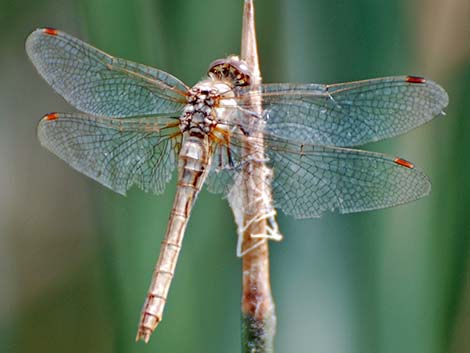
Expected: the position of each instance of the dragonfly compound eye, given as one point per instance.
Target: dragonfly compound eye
(231, 70)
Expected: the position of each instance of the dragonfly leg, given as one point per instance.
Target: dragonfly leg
(272, 231)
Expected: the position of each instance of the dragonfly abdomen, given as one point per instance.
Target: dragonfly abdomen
(194, 162)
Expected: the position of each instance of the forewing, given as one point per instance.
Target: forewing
(117, 153)
(350, 114)
(309, 180)
(99, 84)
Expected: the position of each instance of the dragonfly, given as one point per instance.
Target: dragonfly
(138, 124)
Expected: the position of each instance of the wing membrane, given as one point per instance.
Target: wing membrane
(226, 163)
(309, 179)
(99, 84)
(350, 114)
(117, 153)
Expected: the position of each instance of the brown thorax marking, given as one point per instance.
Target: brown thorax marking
(199, 115)
(199, 111)
(232, 70)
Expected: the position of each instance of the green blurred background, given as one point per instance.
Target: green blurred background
(76, 259)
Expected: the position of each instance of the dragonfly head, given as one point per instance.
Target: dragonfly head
(232, 70)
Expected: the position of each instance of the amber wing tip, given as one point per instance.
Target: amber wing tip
(51, 116)
(50, 31)
(415, 79)
(404, 163)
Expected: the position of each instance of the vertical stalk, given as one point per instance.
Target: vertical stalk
(257, 306)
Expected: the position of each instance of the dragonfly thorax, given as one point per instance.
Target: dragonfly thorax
(199, 114)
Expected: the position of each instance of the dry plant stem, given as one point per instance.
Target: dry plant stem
(258, 313)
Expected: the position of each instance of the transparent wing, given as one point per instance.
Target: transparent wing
(309, 180)
(349, 114)
(227, 161)
(99, 84)
(117, 153)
